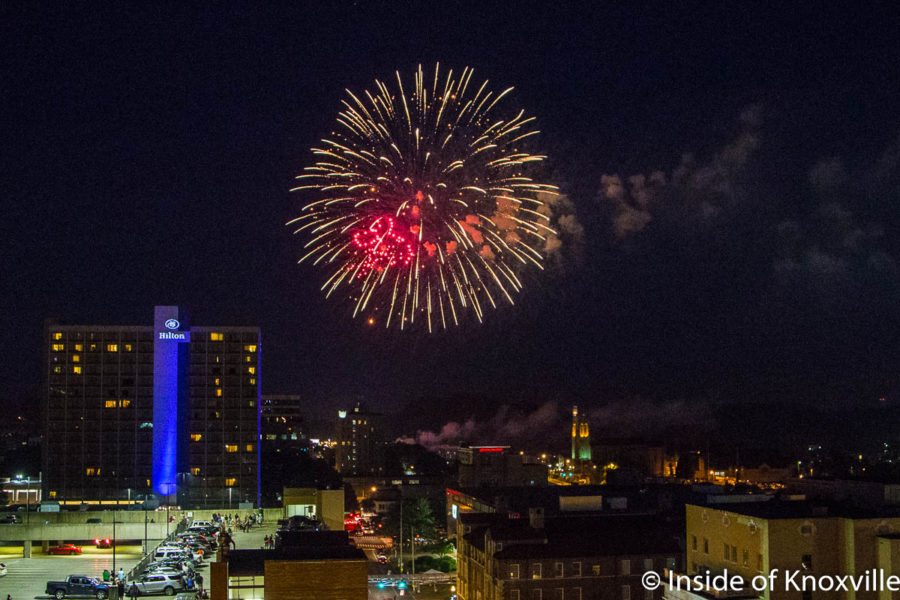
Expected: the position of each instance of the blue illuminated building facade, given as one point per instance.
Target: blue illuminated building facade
(168, 410)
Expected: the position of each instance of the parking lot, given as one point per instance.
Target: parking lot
(27, 577)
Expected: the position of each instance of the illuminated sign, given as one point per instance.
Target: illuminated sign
(454, 510)
(172, 324)
(173, 335)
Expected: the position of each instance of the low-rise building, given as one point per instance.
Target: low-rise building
(315, 565)
(565, 557)
(498, 466)
(750, 539)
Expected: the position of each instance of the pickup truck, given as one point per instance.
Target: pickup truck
(78, 585)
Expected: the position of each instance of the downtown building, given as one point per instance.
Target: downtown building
(165, 410)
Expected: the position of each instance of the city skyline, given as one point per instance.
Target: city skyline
(728, 240)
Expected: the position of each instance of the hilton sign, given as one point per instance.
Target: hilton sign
(172, 335)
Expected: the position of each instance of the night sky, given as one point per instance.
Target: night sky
(734, 177)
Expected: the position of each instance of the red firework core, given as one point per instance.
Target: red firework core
(383, 246)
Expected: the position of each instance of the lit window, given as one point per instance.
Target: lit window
(76, 358)
(248, 359)
(252, 403)
(91, 471)
(93, 348)
(218, 381)
(195, 471)
(127, 347)
(249, 448)
(77, 369)
(57, 369)
(250, 348)
(253, 381)
(196, 437)
(216, 337)
(79, 347)
(230, 481)
(251, 370)
(58, 347)
(112, 347)
(117, 403)
(148, 483)
(53, 493)
(146, 425)
(57, 336)
(124, 403)
(219, 392)
(230, 447)
(110, 404)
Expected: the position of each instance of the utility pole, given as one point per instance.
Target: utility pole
(401, 531)
(114, 539)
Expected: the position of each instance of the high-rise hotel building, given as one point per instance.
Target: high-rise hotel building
(168, 409)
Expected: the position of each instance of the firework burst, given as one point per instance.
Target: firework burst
(424, 209)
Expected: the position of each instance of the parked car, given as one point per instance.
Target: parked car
(103, 542)
(64, 549)
(78, 585)
(155, 583)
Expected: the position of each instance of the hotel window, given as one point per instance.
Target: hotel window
(93, 348)
(196, 437)
(110, 404)
(253, 381)
(705, 546)
(536, 571)
(57, 336)
(727, 552)
(230, 481)
(218, 392)
(625, 567)
(76, 369)
(746, 558)
(250, 348)
(759, 563)
(693, 542)
(514, 571)
(218, 381)
(230, 447)
(595, 569)
(76, 358)
(195, 471)
(112, 347)
(734, 554)
(248, 359)
(806, 562)
(251, 370)
(576, 568)
(127, 347)
(626, 592)
(53, 493)
(91, 471)
(124, 403)
(216, 337)
(559, 569)
(249, 447)
(79, 347)
(58, 347)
